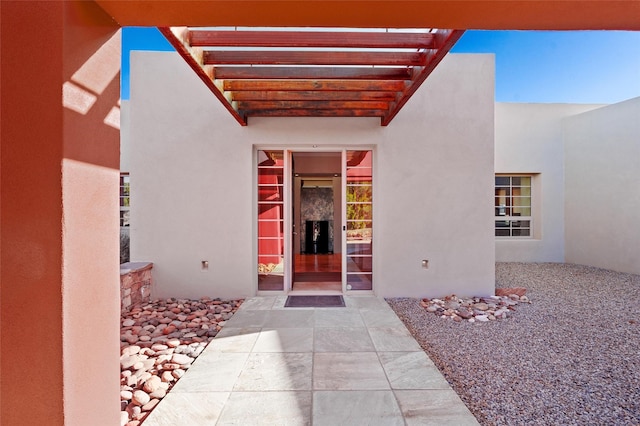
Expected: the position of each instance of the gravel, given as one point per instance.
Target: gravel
(571, 357)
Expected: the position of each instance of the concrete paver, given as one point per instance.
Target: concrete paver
(312, 366)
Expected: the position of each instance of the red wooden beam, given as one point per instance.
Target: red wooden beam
(310, 73)
(316, 113)
(184, 51)
(309, 85)
(271, 105)
(311, 96)
(275, 57)
(445, 40)
(205, 38)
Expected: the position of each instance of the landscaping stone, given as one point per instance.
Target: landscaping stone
(159, 341)
(475, 309)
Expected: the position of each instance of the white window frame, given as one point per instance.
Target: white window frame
(513, 218)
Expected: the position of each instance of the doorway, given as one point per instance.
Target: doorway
(316, 211)
(315, 221)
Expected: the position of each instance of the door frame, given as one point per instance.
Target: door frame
(288, 210)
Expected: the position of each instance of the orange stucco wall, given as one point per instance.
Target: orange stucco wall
(59, 225)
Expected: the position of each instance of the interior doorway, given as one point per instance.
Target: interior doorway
(316, 221)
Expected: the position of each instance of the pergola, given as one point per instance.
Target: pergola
(312, 73)
(59, 169)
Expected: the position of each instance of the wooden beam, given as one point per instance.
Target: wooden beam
(272, 105)
(310, 85)
(311, 39)
(315, 113)
(311, 73)
(173, 35)
(445, 39)
(311, 96)
(275, 57)
(472, 14)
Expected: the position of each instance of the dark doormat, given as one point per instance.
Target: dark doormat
(314, 302)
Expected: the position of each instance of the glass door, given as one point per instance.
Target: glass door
(359, 220)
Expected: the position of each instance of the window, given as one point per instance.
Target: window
(513, 206)
(125, 200)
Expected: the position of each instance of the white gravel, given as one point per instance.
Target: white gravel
(572, 357)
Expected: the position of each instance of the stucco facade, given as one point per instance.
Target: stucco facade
(193, 181)
(585, 161)
(530, 141)
(602, 177)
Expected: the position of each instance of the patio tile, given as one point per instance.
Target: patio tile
(366, 302)
(212, 371)
(188, 409)
(276, 371)
(390, 339)
(342, 339)
(375, 318)
(294, 318)
(258, 303)
(348, 371)
(356, 408)
(248, 318)
(231, 339)
(411, 370)
(434, 407)
(345, 317)
(267, 408)
(285, 340)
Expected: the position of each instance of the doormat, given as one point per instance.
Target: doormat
(314, 302)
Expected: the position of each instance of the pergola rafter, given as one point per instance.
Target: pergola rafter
(312, 72)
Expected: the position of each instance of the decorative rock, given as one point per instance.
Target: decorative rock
(140, 398)
(158, 393)
(181, 359)
(177, 373)
(158, 345)
(152, 384)
(173, 343)
(150, 405)
(481, 306)
(167, 376)
(480, 309)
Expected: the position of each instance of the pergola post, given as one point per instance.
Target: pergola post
(59, 214)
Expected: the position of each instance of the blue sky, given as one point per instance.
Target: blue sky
(531, 66)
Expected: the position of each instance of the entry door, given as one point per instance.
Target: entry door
(358, 236)
(274, 224)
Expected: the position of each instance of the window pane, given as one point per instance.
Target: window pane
(270, 193)
(359, 264)
(502, 232)
(270, 221)
(521, 211)
(521, 181)
(520, 232)
(359, 193)
(356, 247)
(502, 180)
(359, 281)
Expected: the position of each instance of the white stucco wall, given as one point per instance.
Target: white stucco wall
(602, 175)
(193, 191)
(125, 119)
(529, 140)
